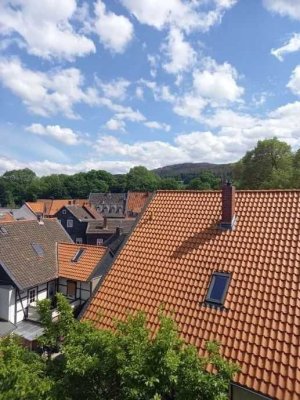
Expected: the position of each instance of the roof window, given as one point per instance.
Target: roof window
(38, 249)
(78, 255)
(218, 288)
(3, 231)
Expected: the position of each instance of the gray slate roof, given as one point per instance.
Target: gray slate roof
(111, 225)
(18, 258)
(80, 213)
(109, 203)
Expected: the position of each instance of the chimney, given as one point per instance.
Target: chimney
(228, 206)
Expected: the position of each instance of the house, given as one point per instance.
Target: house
(28, 271)
(80, 267)
(108, 229)
(51, 207)
(37, 259)
(227, 267)
(135, 203)
(75, 219)
(109, 204)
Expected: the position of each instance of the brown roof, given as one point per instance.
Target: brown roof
(19, 258)
(6, 217)
(136, 201)
(91, 210)
(170, 257)
(37, 207)
(80, 213)
(53, 206)
(86, 264)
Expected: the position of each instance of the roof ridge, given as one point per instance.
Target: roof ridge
(83, 245)
(220, 190)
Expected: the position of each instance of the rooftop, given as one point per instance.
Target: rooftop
(170, 259)
(78, 261)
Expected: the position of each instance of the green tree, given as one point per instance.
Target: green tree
(269, 165)
(205, 181)
(140, 179)
(296, 172)
(22, 373)
(169, 184)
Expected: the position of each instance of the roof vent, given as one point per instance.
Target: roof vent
(228, 206)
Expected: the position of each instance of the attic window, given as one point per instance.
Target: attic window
(38, 249)
(3, 231)
(78, 255)
(218, 288)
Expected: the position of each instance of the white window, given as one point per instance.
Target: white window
(69, 223)
(64, 211)
(99, 241)
(78, 240)
(32, 295)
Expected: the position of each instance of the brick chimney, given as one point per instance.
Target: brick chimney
(228, 206)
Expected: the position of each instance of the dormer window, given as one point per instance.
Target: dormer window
(218, 288)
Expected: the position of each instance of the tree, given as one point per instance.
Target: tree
(169, 184)
(140, 179)
(205, 181)
(296, 173)
(22, 373)
(269, 165)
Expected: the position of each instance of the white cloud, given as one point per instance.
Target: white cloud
(64, 135)
(115, 125)
(289, 8)
(154, 63)
(45, 27)
(43, 94)
(217, 82)
(157, 125)
(180, 53)
(115, 89)
(190, 106)
(186, 16)
(115, 31)
(291, 46)
(139, 92)
(294, 83)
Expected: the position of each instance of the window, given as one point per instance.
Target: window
(64, 211)
(69, 223)
(78, 240)
(71, 289)
(32, 295)
(78, 254)
(38, 248)
(218, 288)
(99, 241)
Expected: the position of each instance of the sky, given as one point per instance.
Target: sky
(119, 83)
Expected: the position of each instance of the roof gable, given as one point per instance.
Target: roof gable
(171, 255)
(28, 267)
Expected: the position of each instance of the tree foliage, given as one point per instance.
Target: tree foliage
(127, 363)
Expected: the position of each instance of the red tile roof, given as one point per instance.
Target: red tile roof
(6, 217)
(37, 207)
(51, 207)
(136, 201)
(86, 264)
(170, 257)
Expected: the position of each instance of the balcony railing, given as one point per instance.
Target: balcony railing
(33, 314)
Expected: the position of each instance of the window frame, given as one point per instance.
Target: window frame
(70, 221)
(69, 282)
(34, 289)
(78, 240)
(98, 243)
(210, 300)
(64, 211)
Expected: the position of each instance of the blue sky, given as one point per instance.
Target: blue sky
(113, 84)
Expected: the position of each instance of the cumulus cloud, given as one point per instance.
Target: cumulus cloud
(115, 89)
(157, 125)
(186, 16)
(289, 8)
(294, 83)
(43, 94)
(291, 46)
(180, 53)
(217, 82)
(64, 135)
(45, 28)
(115, 31)
(115, 125)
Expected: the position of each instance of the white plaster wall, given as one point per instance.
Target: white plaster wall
(7, 303)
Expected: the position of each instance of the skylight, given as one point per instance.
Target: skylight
(38, 249)
(218, 288)
(78, 255)
(3, 231)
